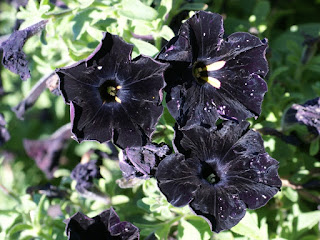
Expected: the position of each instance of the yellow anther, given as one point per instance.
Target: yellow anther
(215, 66)
(212, 81)
(119, 87)
(117, 99)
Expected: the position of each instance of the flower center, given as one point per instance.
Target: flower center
(108, 91)
(203, 73)
(199, 72)
(212, 178)
(209, 174)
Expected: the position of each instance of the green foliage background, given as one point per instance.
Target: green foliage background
(73, 33)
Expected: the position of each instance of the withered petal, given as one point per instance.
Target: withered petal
(309, 113)
(141, 162)
(46, 152)
(13, 57)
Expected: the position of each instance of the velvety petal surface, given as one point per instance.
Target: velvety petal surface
(221, 78)
(177, 179)
(112, 96)
(106, 225)
(221, 208)
(204, 143)
(219, 173)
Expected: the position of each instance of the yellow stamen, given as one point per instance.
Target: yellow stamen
(119, 87)
(215, 66)
(117, 99)
(212, 81)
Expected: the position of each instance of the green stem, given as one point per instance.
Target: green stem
(9, 193)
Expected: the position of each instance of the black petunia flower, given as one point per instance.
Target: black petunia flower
(47, 152)
(307, 114)
(4, 134)
(213, 78)
(84, 173)
(219, 173)
(141, 162)
(112, 96)
(106, 225)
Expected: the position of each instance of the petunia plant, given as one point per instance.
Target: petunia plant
(218, 170)
(163, 120)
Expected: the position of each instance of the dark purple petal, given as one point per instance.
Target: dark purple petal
(195, 142)
(14, 58)
(236, 155)
(112, 96)
(141, 162)
(214, 78)
(220, 174)
(309, 114)
(4, 134)
(199, 36)
(84, 174)
(125, 230)
(106, 225)
(46, 152)
(177, 179)
(49, 190)
(220, 207)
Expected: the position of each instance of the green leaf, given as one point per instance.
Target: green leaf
(85, 3)
(119, 199)
(308, 220)
(193, 7)
(18, 228)
(166, 33)
(314, 147)
(81, 22)
(261, 11)
(187, 231)
(95, 33)
(164, 8)
(193, 227)
(309, 237)
(248, 227)
(144, 47)
(162, 232)
(61, 173)
(134, 9)
(276, 73)
(291, 194)
(32, 13)
(40, 210)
